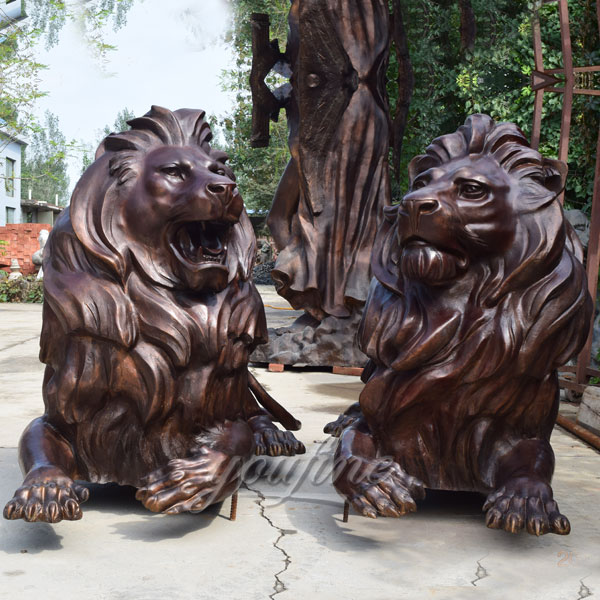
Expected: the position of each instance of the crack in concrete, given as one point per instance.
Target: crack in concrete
(278, 586)
(584, 591)
(481, 572)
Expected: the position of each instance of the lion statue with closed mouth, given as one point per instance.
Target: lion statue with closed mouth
(478, 296)
(148, 321)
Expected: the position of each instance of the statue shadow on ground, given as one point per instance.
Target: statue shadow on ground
(348, 392)
(147, 526)
(19, 537)
(440, 510)
(34, 538)
(312, 507)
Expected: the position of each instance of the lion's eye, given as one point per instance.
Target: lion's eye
(174, 171)
(218, 169)
(472, 190)
(418, 184)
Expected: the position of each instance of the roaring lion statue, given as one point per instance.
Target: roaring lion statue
(149, 317)
(479, 295)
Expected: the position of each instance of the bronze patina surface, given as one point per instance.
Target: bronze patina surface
(149, 317)
(479, 295)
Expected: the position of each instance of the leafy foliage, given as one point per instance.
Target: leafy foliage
(25, 289)
(120, 124)
(494, 78)
(19, 69)
(451, 82)
(48, 17)
(44, 166)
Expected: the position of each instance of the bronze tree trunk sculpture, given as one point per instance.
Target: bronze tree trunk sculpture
(329, 202)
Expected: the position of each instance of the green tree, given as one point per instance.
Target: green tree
(44, 166)
(48, 17)
(491, 74)
(19, 69)
(466, 56)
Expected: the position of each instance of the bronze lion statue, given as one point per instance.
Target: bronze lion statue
(478, 296)
(149, 317)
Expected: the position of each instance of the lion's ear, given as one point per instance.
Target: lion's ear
(419, 164)
(555, 173)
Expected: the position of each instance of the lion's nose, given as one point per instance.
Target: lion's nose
(223, 191)
(420, 206)
(227, 198)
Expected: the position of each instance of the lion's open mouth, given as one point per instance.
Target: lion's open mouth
(201, 242)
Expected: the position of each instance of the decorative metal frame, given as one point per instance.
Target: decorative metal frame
(546, 80)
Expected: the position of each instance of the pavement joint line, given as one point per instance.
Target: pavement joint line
(278, 587)
(35, 337)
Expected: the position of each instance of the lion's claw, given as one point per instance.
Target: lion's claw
(191, 484)
(381, 488)
(275, 442)
(525, 504)
(50, 501)
(272, 441)
(346, 419)
(336, 427)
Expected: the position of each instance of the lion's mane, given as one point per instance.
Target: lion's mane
(528, 313)
(117, 329)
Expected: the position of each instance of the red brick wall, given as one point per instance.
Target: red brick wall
(22, 243)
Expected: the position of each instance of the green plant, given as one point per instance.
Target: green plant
(25, 289)
(35, 291)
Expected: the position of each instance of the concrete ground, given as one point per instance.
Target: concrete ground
(289, 540)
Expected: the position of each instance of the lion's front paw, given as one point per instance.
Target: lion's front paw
(525, 503)
(272, 441)
(191, 484)
(346, 419)
(48, 495)
(275, 442)
(375, 487)
(336, 427)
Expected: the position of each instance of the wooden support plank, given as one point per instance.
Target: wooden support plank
(356, 371)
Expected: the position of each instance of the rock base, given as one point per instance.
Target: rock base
(326, 344)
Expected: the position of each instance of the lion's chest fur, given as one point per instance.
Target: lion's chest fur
(434, 400)
(128, 411)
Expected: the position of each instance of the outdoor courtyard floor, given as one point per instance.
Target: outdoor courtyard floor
(289, 540)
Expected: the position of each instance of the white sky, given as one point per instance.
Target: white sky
(169, 53)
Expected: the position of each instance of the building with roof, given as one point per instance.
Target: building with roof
(10, 178)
